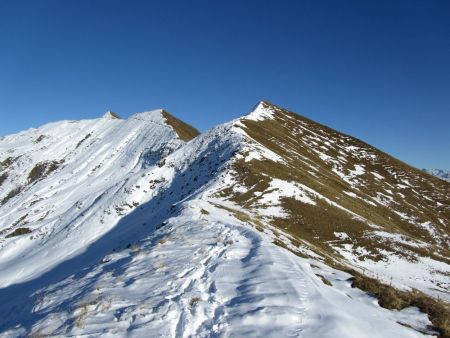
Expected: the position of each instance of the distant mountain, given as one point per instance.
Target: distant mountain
(443, 174)
(270, 225)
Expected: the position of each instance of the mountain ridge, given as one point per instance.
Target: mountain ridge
(439, 173)
(271, 183)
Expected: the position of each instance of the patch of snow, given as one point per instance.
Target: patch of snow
(359, 170)
(341, 235)
(424, 274)
(260, 113)
(377, 175)
(429, 226)
(269, 201)
(400, 239)
(351, 194)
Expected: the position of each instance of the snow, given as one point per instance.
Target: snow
(341, 235)
(377, 175)
(279, 189)
(440, 173)
(384, 199)
(79, 195)
(110, 115)
(252, 149)
(351, 194)
(255, 151)
(359, 170)
(153, 116)
(130, 238)
(405, 216)
(203, 275)
(422, 274)
(399, 239)
(410, 316)
(352, 174)
(260, 113)
(428, 226)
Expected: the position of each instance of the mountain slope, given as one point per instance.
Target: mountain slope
(213, 237)
(443, 174)
(340, 197)
(65, 177)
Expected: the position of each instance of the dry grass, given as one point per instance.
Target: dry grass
(14, 192)
(287, 135)
(3, 178)
(194, 300)
(41, 170)
(183, 130)
(40, 138)
(38, 334)
(324, 280)
(81, 315)
(19, 232)
(114, 115)
(390, 298)
(162, 241)
(20, 220)
(193, 304)
(7, 162)
(82, 140)
(295, 139)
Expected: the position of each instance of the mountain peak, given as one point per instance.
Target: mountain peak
(272, 199)
(183, 130)
(262, 111)
(111, 115)
(151, 115)
(439, 173)
(265, 110)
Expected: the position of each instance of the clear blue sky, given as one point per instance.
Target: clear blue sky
(378, 70)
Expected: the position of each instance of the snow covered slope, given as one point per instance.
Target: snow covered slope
(67, 183)
(443, 174)
(204, 274)
(136, 231)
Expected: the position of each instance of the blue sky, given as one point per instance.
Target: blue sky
(377, 70)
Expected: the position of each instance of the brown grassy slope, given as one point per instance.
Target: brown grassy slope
(183, 130)
(312, 153)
